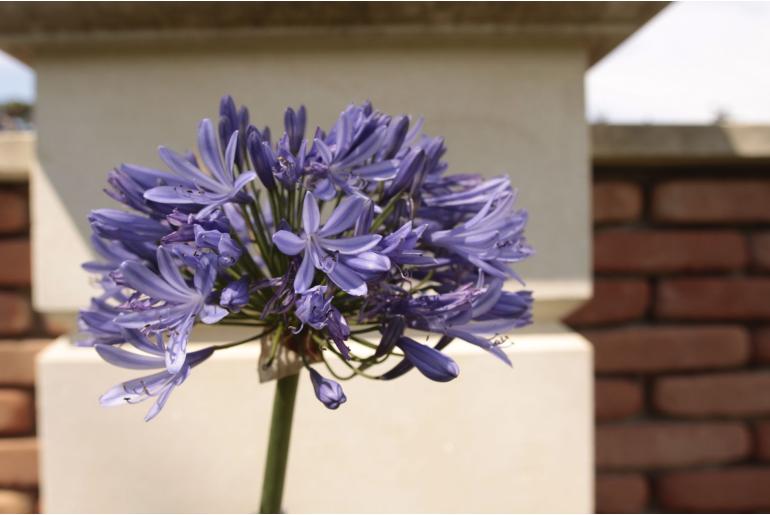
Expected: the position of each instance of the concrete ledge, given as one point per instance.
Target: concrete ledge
(17, 155)
(680, 144)
(495, 440)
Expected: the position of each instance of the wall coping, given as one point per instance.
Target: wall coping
(630, 145)
(17, 155)
(600, 26)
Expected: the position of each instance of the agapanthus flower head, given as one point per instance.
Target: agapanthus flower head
(347, 232)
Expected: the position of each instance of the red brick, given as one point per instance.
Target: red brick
(653, 445)
(660, 348)
(15, 262)
(761, 342)
(711, 201)
(12, 501)
(617, 398)
(616, 201)
(735, 489)
(762, 439)
(651, 252)
(18, 462)
(17, 361)
(15, 314)
(733, 394)
(621, 493)
(16, 412)
(14, 215)
(759, 246)
(57, 325)
(714, 298)
(614, 300)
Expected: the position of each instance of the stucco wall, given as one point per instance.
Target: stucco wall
(501, 108)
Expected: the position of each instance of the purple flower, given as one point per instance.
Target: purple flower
(170, 303)
(158, 385)
(235, 295)
(327, 391)
(432, 363)
(320, 250)
(288, 166)
(112, 252)
(316, 310)
(113, 224)
(406, 246)
(295, 127)
(123, 233)
(467, 314)
(209, 190)
(493, 311)
(186, 223)
(491, 239)
(345, 157)
(394, 139)
(129, 182)
(229, 252)
(97, 325)
(471, 195)
(232, 120)
(338, 330)
(401, 246)
(262, 158)
(313, 307)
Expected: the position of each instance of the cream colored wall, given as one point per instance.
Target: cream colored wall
(495, 440)
(502, 108)
(511, 109)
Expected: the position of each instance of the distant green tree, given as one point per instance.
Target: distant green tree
(17, 110)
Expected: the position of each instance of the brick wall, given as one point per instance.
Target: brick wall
(22, 335)
(680, 324)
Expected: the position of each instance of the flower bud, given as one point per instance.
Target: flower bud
(328, 392)
(432, 363)
(261, 159)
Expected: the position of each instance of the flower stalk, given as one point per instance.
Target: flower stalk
(278, 444)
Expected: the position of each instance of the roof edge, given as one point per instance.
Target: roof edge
(599, 26)
(679, 144)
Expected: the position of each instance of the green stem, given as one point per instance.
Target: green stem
(385, 213)
(278, 444)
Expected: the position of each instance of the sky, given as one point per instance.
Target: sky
(695, 62)
(17, 81)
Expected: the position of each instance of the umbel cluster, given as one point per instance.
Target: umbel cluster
(344, 245)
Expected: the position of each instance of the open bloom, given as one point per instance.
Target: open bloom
(342, 160)
(158, 385)
(207, 190)
(491, 239)
(320, 250)
(170, 303)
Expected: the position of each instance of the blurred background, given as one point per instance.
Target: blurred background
(679, 118)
